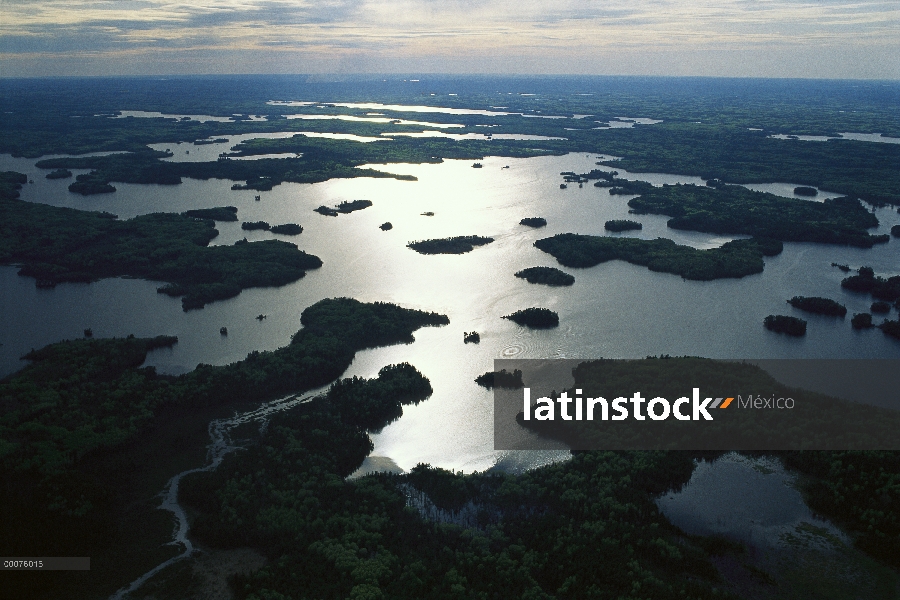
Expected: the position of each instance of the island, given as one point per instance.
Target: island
(737, 258)
(880, 288)
(287, 229)
(219, 213)
(891, 328)
(785, 324)
(895, 231)
(622, 225)
(353, 205)
(59, 174)
(734, 209)
(880, 307)
(56, 245)
(254, 225)
(344, 207)
(862, 321)
(804, 190)
(471, 337)
(326, 211)
(815, 304)
(534, 221)
(629, 188)
(452, 245)
(501, 379)
(386, 226)
(535, 318)
(88, 184)
(546, 276)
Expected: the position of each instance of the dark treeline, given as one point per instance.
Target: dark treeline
(736, 210)
(219, 213)
(56, 245)
(622, 225)
(718, 147)
(737, 258)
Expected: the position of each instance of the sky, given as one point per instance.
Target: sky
(731, 38)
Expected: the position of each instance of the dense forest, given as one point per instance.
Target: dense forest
(87, 437)
(736, 210)
(737, 258)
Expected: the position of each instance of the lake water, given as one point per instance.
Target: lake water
(614, 310)
(752, 499)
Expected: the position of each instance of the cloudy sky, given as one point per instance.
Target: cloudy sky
(757, 38)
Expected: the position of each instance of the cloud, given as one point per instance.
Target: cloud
(435, 32)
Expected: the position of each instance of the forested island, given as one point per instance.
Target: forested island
(501, 378)
(255, 225)
(59, 174)
(453, 245)
(219, 213)
(546, 276)
(891, 328)
(815, 304)
(88, 184)
(345, 207)
(865, 281)
(535, 318)
(862, 321)
(56, 245)
(737, 258)
(734, 209)
(287, 229)
(785, 324)
(534, 222)
(622, 225)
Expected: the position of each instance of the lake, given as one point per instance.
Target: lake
(614, 310)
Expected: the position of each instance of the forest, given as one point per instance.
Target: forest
(452, 245)
(736, 210)
(88, 437)
(737, 258)
(56, 245)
